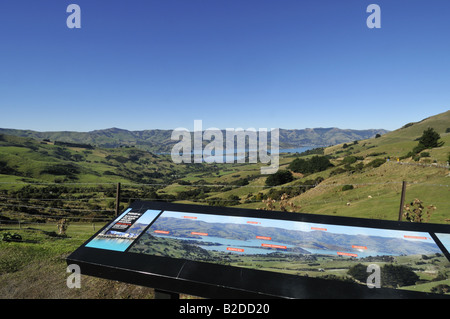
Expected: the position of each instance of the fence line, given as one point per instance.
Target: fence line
(55, 208)
(56, 199)
(424, 164)
(226, 185)
(59, 217)
(28, 202)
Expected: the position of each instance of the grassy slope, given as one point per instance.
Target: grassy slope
(401, 141)
(30, 161)
(36, 269)
(376, 192)
(422, 179)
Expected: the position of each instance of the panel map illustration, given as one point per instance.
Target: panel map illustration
(407, 259)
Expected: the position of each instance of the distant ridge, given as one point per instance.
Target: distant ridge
(157, 140)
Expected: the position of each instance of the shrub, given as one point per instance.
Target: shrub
(416, 212)
(11, 237)
(376, 162)
(441, 289)
(337, 171)
(347, 187)
(313, 165)
(349, 160)
(393, 276)
(359, 166)
(359, 272)
(241, 182)
(279, 178)
(61, 169)
(234, 198)
(5, 169)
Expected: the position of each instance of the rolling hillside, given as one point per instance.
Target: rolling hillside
(371, 171)
(26, 159)
(377, 188)
(402, 140)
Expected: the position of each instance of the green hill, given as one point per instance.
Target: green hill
(374, 167)
(28, 160)
(401, 141)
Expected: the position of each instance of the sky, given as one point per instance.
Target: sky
(161, 64)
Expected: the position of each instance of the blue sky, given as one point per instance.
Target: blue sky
(145, 64)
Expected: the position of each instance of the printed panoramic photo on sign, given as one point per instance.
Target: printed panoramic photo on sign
(138, 137)
(296, 248)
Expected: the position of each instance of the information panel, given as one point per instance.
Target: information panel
(123, 231)
(301, 253)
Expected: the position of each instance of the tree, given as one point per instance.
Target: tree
(430, 138)
(441, 289)
(313, 165)
(349, 160)
(347, 187)
(376, 163)
(280, 177)
(393, 276)
(359, 272)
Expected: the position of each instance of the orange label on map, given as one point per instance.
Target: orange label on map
(191, 217)
(162, 232)
(347, 254)
(318, 228)
(264, 237)
(255, 223)
(199, 234)
(235, 249)
(274, 246)
(359, 247)
(414, 237)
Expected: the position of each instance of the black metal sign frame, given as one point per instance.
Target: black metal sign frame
(221, 281)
